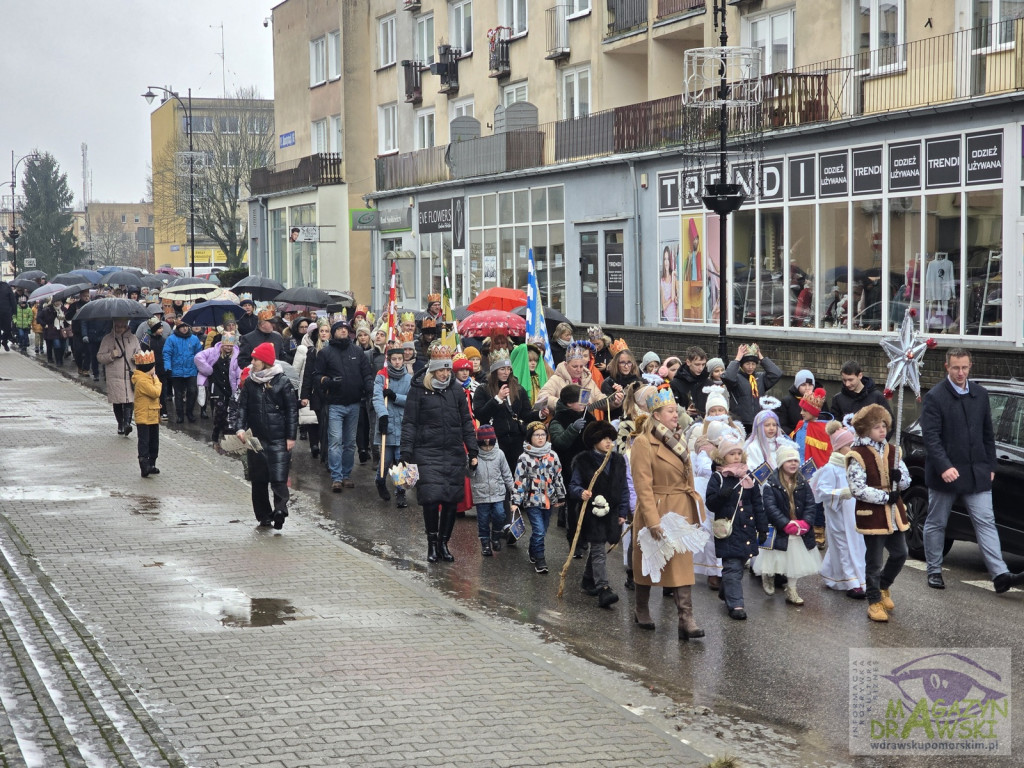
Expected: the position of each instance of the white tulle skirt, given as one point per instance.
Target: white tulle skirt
(795, 562)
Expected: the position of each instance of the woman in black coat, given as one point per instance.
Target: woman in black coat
(269, 406)
(437, 436)
(620, 373)
(503, 403)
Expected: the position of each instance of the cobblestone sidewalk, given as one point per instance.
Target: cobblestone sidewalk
(198, 639)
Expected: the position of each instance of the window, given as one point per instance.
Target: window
(318, 137)
(317, 61)
(773, 35)
(334, 137)
(880, 29)
(462, 108)
(229, 124)
(136, 218)
(578, 7)
(516, 92)
(386, 41)
(232, 158)
(124, 218)
(460, 15)
(993, 21)
(200, 124)
(424, 40)
(425, 128)
(576, 93)
(334, 55)
(512, 14)
(259, 125)
(387, 129)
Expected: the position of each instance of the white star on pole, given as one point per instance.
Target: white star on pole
(905, 350)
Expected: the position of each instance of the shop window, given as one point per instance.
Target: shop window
(801, 260)
(868, 265)
(984, 268)
(744, 266)
(942, 297)
(838, 292)
(905, 262)
(304, 256)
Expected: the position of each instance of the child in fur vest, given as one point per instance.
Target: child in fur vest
(537, 487)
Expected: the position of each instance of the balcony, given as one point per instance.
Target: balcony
(413, 81)
(447, 68)
(311, 171)
(558, 32)
(411, 5)
(625, 16)
(669, 8)
(499, 64)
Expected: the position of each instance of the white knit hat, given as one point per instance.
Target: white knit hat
(786, 453)
(716, 396)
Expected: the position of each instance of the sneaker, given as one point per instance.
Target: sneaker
(540, 566)
(606, 598)
(532, 559)
(279, 519)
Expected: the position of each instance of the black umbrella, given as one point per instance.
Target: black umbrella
(212, 313)
(109, 309)
(152, 281)
(259, 287)
(124, 278)
(461, 313)
(25, 285)
(69, 279)
(310, 297)
(32, 274)
(551, 316)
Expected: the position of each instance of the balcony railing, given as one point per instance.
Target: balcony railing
(411, 5)
(311, 171)
(626, 16)
(413, 81)
(945, 69)
(499, 62)
(668, 8)
(447, 68)
(558, 31)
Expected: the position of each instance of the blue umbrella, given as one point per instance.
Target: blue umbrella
(107, 270)
(89, 274)
(210, 313)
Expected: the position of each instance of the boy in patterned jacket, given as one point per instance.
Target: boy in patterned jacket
(537, 488)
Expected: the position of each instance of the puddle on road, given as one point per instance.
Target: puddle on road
(146, 506)
(50, 493)
(233, 608)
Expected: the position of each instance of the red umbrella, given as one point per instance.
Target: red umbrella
(489, 322)
(498, 298)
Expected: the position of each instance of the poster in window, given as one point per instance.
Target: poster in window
(713, 266)
(668, 268)
(692, 274)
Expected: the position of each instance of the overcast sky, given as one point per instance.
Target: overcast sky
(73, 71)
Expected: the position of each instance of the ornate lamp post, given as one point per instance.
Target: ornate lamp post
(149, 96)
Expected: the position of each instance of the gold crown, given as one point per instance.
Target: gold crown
(405, 337)
(618, 345)
(408, 317)
(440, 351)
(144, 358)
(427, 322)
(267, 313)
(660, 398)
(432, 298)
(361, 309)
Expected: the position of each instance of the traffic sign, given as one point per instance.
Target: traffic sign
(28, 262)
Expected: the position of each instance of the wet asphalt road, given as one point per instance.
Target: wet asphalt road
(785, 667)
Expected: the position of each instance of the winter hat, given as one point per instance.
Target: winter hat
(339, 324)
(247, 301)
(500, 359)
(596, 431)
(265, 352)
(786, 453)
(839, 435)
(716, 396)
(814, 401)
(751, 355)
(532, 427)
(729, 442)
(485, 432)
(461, 363)
(870, 415)
(440, 358)
(472, 352)
(409, 344)
(803, 377)
(714, 363)
(650, 357)
(154, 321)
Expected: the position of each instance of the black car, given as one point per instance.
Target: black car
(1007, 400)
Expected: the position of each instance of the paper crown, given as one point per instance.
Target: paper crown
(246, 298)
(441, 352)
(227, 317)
(406, 338)
(362, 325)
(427, 323)
(595, 332)
(361, 309)
(269, 312)
(433, 298)
(370, 318)
(499, 358)
(407, 317)
(578, 350)
(617, 346)
(751, 354)
(144, 358)
(661, 397)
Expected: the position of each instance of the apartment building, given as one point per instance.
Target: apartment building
(117, 234)
(889, 176)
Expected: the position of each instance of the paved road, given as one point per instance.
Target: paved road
(772, 690)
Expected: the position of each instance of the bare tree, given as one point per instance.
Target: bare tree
(229, 141)
(112, 244)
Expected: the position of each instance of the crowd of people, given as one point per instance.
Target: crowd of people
(601, 440)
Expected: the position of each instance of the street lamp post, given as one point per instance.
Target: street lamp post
(13, 233)
(149, 96)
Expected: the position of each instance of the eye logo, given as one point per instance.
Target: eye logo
(959, 686)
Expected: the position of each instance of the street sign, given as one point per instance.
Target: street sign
(28, 262)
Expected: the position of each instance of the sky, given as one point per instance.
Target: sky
(73, 71)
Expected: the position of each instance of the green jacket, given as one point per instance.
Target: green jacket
(23, 317)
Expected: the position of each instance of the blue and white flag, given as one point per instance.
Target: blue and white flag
(536, 328)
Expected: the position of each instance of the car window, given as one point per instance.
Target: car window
(1011, 429)
(998, 402)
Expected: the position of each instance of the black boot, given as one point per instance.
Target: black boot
(202, 412)
(485, 547)
(153, 470)
(382, 489)
(630, 585)
(144, 466)
(446, 527)
(496, 540)
(400, 500)
(432, 553)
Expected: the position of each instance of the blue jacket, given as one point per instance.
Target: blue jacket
(395, 408)
(179, 355)
(750, 520)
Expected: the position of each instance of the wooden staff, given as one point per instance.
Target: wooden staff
(579, 524)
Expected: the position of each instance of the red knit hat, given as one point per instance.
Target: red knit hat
(813, 402)
(462, 363)
(266, 353)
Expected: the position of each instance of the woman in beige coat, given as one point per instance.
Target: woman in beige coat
(575, 370)
(663, 479)
(117, 352)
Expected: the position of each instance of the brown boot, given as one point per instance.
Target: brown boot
(684, 604)
(876, 612)
(714, 583)
(819, 536)
(887, 602)
(642, 613)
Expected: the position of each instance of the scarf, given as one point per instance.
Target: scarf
(265, 376)
(672, 441)
(440, 386)
(396, 373)
(564, 344)
(535, 452)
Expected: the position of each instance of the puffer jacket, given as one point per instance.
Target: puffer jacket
(271, 411)
(749, 522)
(537, 482)
(179, 354)
(342, 373)
(508, 419)
(394, 409)
(611, 484)
(491, 478)
(437, 435)
(207, 358)
(147, 397)
(23, 317)
(565, 438)
(776, 508)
